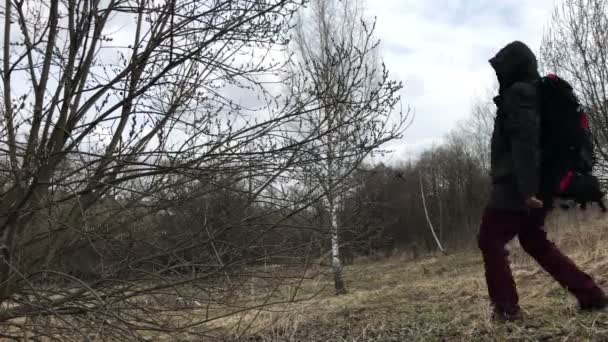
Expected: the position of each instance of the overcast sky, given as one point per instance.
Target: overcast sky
(440, 50)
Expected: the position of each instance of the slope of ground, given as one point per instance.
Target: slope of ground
(444, 299)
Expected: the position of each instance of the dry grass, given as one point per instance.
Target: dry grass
(436, 299)
(442, 299)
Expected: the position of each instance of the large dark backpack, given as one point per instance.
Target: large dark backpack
(567, 156)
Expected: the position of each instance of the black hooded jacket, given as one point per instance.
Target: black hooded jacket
(516, 137)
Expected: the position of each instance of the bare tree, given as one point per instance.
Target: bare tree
(476, 130)
(336, 56)
(119, 117)
(575, 48)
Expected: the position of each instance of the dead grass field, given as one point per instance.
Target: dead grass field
(441, 299)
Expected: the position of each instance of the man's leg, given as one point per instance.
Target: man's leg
(496, 230)
(533, 240)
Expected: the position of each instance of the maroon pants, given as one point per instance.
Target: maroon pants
(497, 229)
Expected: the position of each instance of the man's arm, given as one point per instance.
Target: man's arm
(523, 126)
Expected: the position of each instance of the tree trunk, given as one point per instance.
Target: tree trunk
(437, 194)
(336, 265)
(428, 218)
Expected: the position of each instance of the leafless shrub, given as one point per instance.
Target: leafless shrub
(147, 162)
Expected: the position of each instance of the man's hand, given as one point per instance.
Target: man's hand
(534, 203)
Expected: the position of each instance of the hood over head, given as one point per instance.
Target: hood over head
(513, 63)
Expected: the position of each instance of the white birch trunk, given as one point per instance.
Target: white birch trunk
(428, 218)
(336, 264)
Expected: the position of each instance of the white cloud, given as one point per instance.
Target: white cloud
(440, 49)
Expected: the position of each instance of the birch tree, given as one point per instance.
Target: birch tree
(335, 57)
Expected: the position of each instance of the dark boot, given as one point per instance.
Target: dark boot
(506, 314)
(503, 316)
(599, 304)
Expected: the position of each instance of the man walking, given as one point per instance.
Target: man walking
(514, 208)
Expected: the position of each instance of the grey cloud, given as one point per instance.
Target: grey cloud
(440, 49)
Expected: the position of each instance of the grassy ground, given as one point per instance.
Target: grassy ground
(444, 299)
(441, 298)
